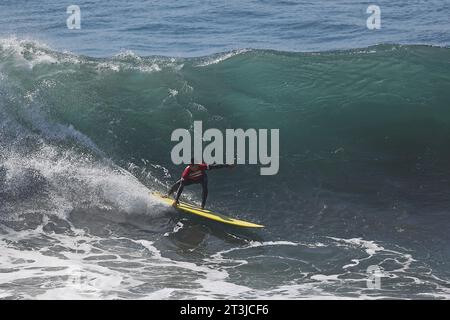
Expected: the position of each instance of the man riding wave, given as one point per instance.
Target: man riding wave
(195, 174)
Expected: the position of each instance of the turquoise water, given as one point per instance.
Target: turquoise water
(85, 136)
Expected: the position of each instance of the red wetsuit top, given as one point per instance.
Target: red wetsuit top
(194, 175)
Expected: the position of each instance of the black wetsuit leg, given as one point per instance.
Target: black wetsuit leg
(183, 182)
(174, 187)
(203, 181)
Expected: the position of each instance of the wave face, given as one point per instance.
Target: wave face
(363, 178)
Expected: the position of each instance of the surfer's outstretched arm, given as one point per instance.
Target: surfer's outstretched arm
(220, 166)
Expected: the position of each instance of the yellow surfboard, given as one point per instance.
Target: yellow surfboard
(189, 208)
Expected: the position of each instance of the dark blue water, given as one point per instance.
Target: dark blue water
(194, 27)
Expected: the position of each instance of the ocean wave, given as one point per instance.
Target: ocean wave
(363, 136)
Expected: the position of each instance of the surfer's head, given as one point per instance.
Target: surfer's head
(193, 165)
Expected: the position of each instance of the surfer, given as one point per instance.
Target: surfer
(195, 174)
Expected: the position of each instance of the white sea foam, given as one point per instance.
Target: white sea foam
(221, 57)
(74, 274)
(76, 180)
(31, 53)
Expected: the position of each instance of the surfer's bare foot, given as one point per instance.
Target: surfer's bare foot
(175, 204)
